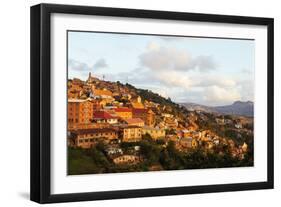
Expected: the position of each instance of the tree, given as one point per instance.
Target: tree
(147, 137)
(150, 150)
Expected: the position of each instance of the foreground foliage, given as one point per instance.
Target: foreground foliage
(94, 160)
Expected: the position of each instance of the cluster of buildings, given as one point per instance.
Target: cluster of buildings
(100, 111)
(110, 112)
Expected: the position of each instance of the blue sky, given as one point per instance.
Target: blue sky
(207, 71)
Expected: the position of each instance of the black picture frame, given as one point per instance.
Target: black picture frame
(41, 96)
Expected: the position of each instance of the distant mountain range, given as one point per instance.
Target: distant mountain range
(237, 108)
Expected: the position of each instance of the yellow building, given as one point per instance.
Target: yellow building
(127, 159)
(131, 133)
(155, 133)
(124, 112)
(136, 103)
(87, 138)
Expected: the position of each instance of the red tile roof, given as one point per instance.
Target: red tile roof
(95, 130)
(123, 110)
(134, 121)
(103, 115)
(139, 111)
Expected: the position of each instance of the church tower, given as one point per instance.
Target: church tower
(89, 78)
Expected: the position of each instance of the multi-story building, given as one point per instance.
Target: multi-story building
(131, 133)
(170, 123)
(124, 112)
(155, 133)
(150, 118)
(147, 115)
(134, 122)
(79, 112)
(104, 117)
(87, 138)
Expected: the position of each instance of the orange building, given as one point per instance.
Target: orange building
(134, 122)
(87, 138)
(150, 119)
(79, 112)
(147, 115)
(124, 113)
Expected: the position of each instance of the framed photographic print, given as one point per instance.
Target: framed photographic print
(133, 103)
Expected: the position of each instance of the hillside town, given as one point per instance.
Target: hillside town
(118, 119)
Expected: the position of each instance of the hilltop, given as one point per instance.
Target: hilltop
(120, 90)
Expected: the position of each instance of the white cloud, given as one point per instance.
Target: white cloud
(221, 96)
(175, 73)
(204, 63)
(247, 88)
(205, 80)
(174, 79)
(169, 58)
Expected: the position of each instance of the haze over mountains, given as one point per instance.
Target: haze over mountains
(237, 108)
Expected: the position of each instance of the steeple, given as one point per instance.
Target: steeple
(89, 78)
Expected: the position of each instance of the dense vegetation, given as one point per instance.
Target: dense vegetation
(94, 160)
